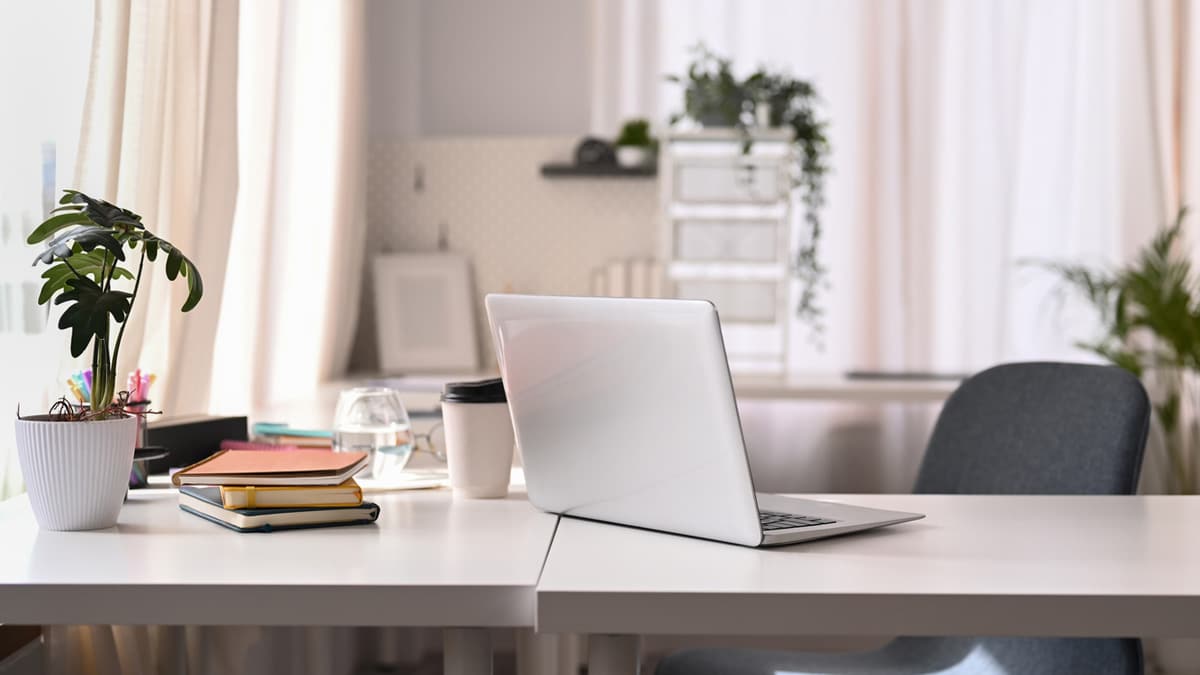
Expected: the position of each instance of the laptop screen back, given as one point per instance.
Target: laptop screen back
(624, 412)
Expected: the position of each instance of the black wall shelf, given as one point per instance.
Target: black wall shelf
(597, 171)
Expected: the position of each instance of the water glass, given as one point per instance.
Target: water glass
(374, 420)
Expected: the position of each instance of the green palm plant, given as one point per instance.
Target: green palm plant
(85, 242)
(1149, 310)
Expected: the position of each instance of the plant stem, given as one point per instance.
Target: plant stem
(103, 375)
(106, 281)
(95, 393)
(137, 282)
(99, 375)
(72, 268)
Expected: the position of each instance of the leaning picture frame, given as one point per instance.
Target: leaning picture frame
(425, 313)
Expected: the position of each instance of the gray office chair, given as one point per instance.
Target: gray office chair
(1021, 428)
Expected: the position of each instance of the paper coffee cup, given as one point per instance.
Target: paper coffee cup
(479, 438)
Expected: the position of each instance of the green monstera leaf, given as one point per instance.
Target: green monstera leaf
(101, 212)
(85, 237)
(177, 265)
(89, 311)
(54, 224)
(93, 264)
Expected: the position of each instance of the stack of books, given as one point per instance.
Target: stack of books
(268, 490)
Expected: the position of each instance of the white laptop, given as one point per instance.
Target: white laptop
(624, 412)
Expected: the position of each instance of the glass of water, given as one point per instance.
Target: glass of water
(373, 420)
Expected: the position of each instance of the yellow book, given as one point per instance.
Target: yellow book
(291, 496)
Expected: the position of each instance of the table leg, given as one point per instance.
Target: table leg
(572, 653)
(173, 656)
(614, 654)
(467, 651)
(56, 643)
(103, 652)
(537, 653)
(320, 650)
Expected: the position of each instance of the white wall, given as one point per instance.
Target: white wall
(472, 68)
(393, 68)
(522, 232)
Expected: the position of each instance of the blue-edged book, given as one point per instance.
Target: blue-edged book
(206, 503)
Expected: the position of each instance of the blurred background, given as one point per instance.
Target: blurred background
(879, 189)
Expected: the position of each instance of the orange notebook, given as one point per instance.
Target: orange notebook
(273, 467)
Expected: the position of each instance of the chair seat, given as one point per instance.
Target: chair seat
(923, 656)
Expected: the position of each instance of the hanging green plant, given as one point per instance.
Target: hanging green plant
(714, 97)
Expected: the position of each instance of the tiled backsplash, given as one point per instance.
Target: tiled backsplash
(522, 231)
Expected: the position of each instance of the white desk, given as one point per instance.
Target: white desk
(833, 387)
(430, 561)
(1073, 566)
(422, 393)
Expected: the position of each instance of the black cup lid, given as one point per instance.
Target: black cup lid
(483, 391)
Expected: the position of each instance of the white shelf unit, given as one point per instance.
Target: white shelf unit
(726, 236)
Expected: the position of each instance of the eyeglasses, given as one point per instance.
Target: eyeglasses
(432, 441)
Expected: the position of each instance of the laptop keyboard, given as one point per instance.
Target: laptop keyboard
(774, 520)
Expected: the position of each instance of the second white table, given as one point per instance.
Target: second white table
(977, 565)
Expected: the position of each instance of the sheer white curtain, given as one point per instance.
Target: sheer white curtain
(291, 294)
(1174, 87)
(243, 146)
(159, 137)
(236, 130)
(967, 138)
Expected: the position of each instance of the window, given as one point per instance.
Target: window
(42, 85)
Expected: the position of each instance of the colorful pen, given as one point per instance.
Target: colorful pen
(82, 384)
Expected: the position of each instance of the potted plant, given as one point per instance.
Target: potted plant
(635, 147)
(714, 97)
(1149, 312)
(76, 459)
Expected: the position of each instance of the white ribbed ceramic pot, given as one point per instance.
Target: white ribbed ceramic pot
(76, 473)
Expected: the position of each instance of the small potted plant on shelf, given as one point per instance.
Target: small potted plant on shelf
(635, 147)
(76, 459)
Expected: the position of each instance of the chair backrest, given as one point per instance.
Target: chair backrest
(1039, 428)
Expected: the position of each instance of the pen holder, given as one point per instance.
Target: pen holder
(140, 407)
(138, 477)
